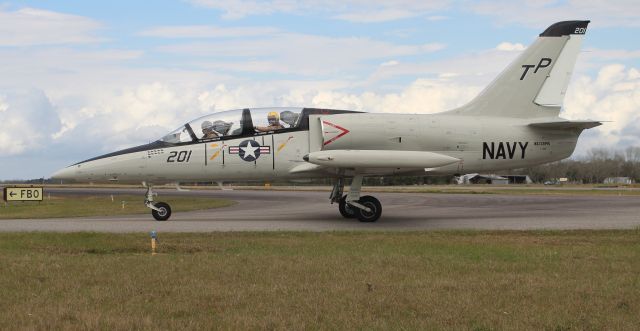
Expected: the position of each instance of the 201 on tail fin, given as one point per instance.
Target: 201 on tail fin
(535, 83)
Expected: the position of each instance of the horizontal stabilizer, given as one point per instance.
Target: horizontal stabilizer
(379, 159)
(563, 125)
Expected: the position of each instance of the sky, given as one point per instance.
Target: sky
(83, 78)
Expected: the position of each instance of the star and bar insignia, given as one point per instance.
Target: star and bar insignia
(249, 150)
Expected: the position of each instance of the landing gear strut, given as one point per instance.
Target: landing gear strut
(366, 208)
(161, 211)
(345, 210)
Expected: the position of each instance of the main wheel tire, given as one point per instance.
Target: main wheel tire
(163, 214)
(345, 210)
(371, 203)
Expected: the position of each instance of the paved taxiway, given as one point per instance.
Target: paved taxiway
(311, 211)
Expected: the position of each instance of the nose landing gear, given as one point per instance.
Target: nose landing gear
(161, 211)
(352, 205)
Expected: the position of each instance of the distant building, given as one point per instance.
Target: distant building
(518, 179)
(619, 180)
(493, 179)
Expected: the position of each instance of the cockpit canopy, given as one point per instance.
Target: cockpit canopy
(244, 122)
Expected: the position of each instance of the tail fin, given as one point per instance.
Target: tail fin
(533, 85)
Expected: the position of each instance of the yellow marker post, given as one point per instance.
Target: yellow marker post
(154, 241)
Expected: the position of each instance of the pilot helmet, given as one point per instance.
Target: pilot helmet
(273, 118)
(206, 126)
(220, 126)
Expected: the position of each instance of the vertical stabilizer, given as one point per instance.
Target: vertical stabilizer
(535, 83)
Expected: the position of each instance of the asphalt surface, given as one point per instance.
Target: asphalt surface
(311, 211)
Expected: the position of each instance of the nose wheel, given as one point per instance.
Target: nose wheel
(161, 211)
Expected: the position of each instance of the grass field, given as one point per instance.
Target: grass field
(100, 205)
(580, 280)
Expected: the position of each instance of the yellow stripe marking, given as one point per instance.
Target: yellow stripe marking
(284, 144)
(217, 152)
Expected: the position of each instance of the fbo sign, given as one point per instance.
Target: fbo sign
(23, 194)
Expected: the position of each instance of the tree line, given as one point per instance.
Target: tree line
(597, 165)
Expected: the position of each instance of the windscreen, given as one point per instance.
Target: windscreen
(274, 119)
(209, 127)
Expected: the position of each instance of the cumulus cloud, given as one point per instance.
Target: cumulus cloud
(423, 96)
(115, 119)
(27, 120)
(140, 114)
(30, 26)
(612, 96)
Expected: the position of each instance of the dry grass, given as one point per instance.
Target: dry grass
(100, 205)
(434, 280)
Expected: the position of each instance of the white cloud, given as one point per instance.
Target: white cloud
(389, 63)
(508, 47)
(473, 69)
(423, 96)
(206, 31)
(437, 18)
(82, 74)
(382, 15)
(350, 10)
(540, 14)
(614, 96)
(296, 53)
(3, 104)
(27, 121)
(29, 26)
(114, 120)
(234, 9)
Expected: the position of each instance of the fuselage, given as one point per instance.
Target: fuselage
(481, 144)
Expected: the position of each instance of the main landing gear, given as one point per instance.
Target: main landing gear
(352, 205)
(161, 211)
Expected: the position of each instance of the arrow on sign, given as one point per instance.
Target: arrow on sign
(12, 194)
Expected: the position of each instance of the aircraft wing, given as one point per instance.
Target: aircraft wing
(379, 159)
(562, 125)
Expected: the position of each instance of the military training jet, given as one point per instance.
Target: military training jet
(513, 123)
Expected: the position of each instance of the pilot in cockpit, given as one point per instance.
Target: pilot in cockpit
(208, 131)
(274, 123)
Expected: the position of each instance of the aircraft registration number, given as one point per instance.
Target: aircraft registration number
(181, 156)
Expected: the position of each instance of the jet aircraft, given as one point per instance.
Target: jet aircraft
(512, 123)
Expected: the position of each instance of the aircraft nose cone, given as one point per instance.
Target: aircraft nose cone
(64, 173)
